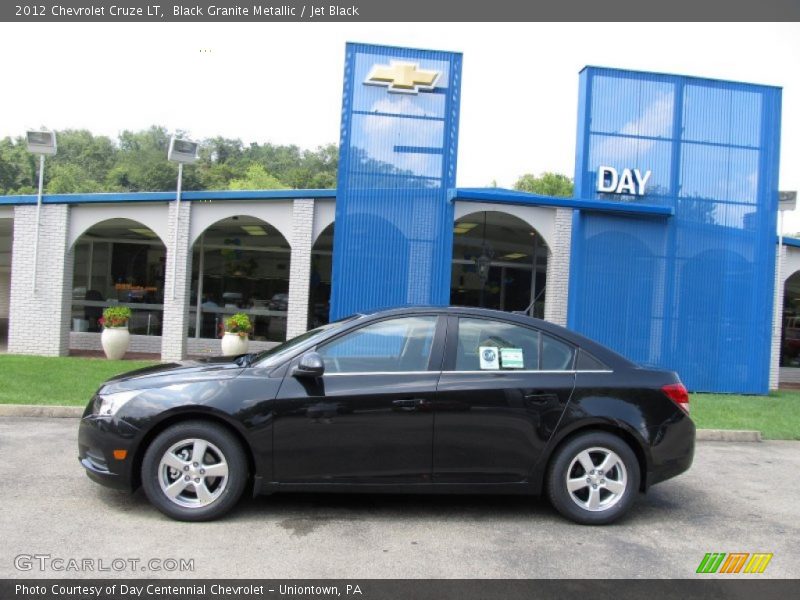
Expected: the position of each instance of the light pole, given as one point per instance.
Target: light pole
(182, 152)
(42, 143)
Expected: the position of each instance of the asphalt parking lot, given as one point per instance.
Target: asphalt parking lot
(736, 498)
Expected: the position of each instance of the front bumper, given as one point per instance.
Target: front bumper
(98, 438)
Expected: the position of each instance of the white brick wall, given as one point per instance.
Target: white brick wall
(175, 326)
(556, 296)
(152, 344)
(81, 340)
(5, 294)
(300, 267)
(49, 306)
(777, 318)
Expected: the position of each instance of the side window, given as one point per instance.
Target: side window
(556, 355)
(394, 345)
(587, 362)
(485, 345)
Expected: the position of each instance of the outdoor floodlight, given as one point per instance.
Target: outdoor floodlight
(787, 200)
(41, 142)
(182, 151)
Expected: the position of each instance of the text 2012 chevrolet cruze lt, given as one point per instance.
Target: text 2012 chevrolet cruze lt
(407, 400)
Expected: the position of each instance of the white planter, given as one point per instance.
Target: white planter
(115, 342)
(233, 344)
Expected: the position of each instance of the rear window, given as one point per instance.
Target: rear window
(587, 362)
(556, 355)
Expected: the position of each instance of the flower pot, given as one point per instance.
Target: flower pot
(115, 342)
(233, 344)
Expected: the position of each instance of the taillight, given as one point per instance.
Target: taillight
(678, 394)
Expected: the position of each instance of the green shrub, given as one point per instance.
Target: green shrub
(115, 316)
(238, 324)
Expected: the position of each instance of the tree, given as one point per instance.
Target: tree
(82, 163)
(257, 178)
(298, 169)
(18, 170)
(547, 184)
(142, 165)
(70, 179)
(221, 160)
(137, 162)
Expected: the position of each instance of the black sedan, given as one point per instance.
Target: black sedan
(433, 400)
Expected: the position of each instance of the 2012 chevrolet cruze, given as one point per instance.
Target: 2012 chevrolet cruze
(433, 400)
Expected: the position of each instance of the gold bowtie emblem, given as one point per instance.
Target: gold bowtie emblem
(402, 77)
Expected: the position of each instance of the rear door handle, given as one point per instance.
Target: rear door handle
(540, 397)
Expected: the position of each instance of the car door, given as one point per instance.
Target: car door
(501, 394)
(369, 418)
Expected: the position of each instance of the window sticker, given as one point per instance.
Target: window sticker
(490, 359)
(511, 358)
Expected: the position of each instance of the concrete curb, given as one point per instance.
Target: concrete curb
(32, 410)
(727, 435)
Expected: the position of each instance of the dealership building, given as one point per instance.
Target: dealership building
(667, 252)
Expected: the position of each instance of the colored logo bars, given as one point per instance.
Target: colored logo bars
(736, 562)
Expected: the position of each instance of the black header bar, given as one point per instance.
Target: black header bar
(128, 11)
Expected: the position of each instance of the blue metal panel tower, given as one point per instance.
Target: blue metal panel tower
(397, 163)
(693, 293)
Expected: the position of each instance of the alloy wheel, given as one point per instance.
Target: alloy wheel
(193, 473)
(596, 479)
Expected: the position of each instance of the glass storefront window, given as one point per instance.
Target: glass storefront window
(499, 262)
(240, 264)
(118, 263)
(319, 290)
(790, 332)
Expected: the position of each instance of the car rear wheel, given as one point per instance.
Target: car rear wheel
(594, 478)
(194, 471)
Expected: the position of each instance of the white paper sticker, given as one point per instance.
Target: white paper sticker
(490, 357)
(511, 358)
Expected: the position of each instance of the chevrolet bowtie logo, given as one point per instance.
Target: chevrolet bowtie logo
(406, 78)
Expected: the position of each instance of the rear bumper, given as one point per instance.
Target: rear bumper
(98, 438)
(672, 451)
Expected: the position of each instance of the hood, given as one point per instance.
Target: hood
(218, 367)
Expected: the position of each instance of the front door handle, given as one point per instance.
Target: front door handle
(408, 404)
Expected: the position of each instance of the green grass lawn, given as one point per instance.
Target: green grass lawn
(67, 381)
(776, 416)
(71, 381)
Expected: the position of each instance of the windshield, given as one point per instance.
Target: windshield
(271, 357)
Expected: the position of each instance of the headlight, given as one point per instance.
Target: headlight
(111, 403)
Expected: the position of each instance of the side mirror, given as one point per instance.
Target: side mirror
(310, 365)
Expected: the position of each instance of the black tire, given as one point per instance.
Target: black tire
(213, 496)
(598, 496)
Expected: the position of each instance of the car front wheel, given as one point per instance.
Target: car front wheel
(194, 471)
(594, 478)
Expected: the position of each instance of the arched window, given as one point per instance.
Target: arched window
(118, 262)
(319, 286)
(240, 264)
(500, 262)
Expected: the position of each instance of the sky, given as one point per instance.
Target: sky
(282, 83)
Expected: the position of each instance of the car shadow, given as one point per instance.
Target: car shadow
(301, 513)
(330, 506)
